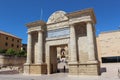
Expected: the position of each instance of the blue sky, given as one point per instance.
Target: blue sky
(14, 14)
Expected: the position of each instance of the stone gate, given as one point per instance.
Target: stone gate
(74, 30)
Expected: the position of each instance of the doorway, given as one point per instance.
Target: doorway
(59, 59)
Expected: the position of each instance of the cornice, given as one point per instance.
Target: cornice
(36, 23)
(8, 34)
(81, 13)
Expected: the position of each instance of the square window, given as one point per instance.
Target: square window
(6, 38)
(6, 44)
(12, 45)
(17, 40)
(12, 39)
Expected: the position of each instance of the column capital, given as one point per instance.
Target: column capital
(92, 25)
(29, 32)
(40, 30)
(89, 22)
(71, 25)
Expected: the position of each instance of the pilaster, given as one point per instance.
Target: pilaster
(91, 47)
(40, 48)
(73, 46)
(29, 48)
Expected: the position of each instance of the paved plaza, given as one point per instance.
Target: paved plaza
(109, 72)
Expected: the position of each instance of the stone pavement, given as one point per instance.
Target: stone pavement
(109, 72)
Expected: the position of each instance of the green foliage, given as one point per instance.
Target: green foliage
(3, 51)
(21, 53)
(10, 52)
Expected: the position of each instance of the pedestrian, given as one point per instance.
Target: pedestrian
(64, 69)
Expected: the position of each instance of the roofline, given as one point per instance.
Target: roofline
(91, 10)
(9, 34)
(109, 31)
(36, 23)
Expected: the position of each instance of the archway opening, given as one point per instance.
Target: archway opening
(59, 59)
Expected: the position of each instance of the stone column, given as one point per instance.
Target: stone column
(29, 48)
(73, 51)
(40, 48)
(91, 51)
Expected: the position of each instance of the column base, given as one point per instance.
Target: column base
(35, 68)
(92, 68)
(89, 68)
(73, 68)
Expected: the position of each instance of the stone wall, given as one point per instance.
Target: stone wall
(11, 60)
(108, 44)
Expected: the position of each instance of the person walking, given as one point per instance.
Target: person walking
(64, 69)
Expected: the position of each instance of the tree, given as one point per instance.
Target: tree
(2, 51)
(21, 53)
(10, 52)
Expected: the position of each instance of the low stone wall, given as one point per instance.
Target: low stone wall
(11, 60)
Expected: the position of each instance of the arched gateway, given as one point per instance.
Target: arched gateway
(76, 31)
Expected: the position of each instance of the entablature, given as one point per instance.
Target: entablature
(67, 19)
(36, 26)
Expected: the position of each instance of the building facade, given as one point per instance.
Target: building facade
(73, 33)
(9, 41)
(108, 46)
(24, 47)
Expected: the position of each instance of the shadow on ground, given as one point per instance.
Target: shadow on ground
(103, 69)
